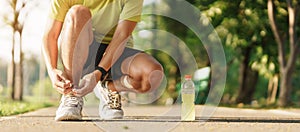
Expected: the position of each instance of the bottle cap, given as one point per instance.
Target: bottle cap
(188, 76)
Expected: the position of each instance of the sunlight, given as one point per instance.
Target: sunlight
(5, 35)
(17, 48)
(32, 32)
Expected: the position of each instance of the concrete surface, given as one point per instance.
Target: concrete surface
(159, 119)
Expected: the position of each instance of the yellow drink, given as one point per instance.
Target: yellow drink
(188, 107)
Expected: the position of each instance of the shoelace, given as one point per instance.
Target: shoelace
(114, 100)
(71, 101)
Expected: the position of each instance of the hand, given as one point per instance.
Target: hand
(59, 81)
(86, 85)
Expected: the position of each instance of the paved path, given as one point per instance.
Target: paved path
(156, 119)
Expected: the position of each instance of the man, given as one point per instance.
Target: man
(95, 37)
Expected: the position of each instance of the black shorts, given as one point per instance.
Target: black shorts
(96, 51)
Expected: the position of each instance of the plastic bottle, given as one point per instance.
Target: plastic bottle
(188, 99)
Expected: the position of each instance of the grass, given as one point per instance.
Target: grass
(9, 107)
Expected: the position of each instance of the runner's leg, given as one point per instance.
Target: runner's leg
(76, 37)
(142, 73)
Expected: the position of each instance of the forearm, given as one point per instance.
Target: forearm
(50, 52)
(112, 53)
(50, 47)
(116, 46)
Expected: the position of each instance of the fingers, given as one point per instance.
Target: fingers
(64, 80)
(61, 83)
(82, 83)
(79, 93)
(82, 90)
(63, 87)
(63, 91)
(60, 76)
(85, 87)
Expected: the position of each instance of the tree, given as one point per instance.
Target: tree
(174, 44)
(15, 75)
(242, 27)
(287, 43)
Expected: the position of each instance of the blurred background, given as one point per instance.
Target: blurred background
(260, 41)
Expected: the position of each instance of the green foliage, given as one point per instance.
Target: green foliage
(43, 96)
(262, 90)
(44, 90)
(244, 25)
(296, 89)
(12, 108)
(232, 79)
(180, 37)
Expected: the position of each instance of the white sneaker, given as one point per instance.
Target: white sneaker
(70, 108)
(110, 106)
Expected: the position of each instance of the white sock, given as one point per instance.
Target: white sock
(126, 83)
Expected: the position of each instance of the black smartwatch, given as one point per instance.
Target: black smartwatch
(103, 71)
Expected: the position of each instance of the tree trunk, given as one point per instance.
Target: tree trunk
(12, 69)
(286, 60)
(247, 85)
(17, 79)
(285, 89)
(247, 79)
(18, 92)
(11, 76)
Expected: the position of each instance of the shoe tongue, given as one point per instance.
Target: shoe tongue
(69, 95)
(114, 92)
(71, 101)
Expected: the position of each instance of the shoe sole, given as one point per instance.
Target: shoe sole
(111, 117)
(68, 118)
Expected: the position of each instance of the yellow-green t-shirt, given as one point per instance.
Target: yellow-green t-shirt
(105, 14)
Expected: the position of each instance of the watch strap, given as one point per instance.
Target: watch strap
(103, 72)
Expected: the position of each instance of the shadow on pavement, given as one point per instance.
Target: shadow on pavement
(177, 119)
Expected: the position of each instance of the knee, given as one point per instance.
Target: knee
(79, 13)
(153, 70)
(152, 78)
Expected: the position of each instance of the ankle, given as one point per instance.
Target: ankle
(109, 85)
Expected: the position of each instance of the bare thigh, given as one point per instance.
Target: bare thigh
(145, 72)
